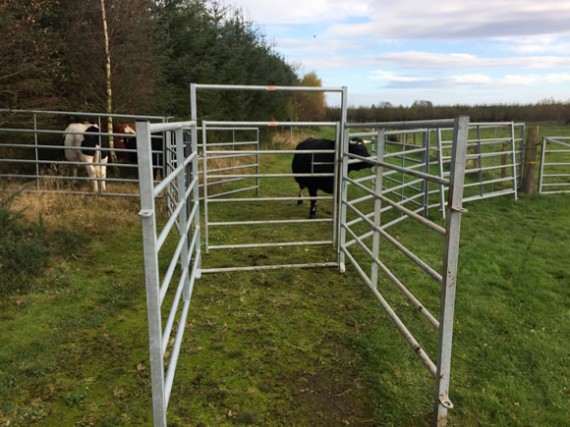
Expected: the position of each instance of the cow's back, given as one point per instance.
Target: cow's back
(307, 162)
(73, 137)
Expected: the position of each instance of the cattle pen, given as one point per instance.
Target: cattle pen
(416, 171)
(357, 236)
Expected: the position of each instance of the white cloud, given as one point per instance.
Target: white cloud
(558, 77)
(543, 45)
(520, 79)
(469, 49)
(464, 60)
(295, 11)
(389, 76)
(472, 79)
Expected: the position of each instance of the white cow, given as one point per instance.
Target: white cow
(83, 144)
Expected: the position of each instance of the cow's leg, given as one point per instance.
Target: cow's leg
(92, 174)
(74, 169)
(300, 199)
(313, 211)
(103, 174)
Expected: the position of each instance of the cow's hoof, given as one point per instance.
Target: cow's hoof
(312, 216)
(299, 202)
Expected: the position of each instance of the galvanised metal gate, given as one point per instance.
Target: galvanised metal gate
(554, 175)
(494, 159)
(493, 163)
(373, 244)
(32, 151)
(180, 251)
(277, 203)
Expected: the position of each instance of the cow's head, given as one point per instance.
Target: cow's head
(125, 142)
(356, 146)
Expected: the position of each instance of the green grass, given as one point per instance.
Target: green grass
(294, 347)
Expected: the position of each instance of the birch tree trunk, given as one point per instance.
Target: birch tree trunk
(109, 109)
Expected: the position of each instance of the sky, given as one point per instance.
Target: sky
(448, 52)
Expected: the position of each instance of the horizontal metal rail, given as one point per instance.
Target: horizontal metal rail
(268, 88)
(273, 244)
(269, 267)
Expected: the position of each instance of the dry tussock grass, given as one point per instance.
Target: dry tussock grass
(90, 213)
(289, 138)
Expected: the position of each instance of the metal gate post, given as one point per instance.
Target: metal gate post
(425, 184)
(440, 171)
(196, 197)
(514, 157)
(148, 219)
(183, 214)
(451, 253)
(378, 183)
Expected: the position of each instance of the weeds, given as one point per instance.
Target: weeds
(25, 249)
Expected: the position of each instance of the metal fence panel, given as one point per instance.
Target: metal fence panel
(183, 261)
(253, 173)
(494, 160)
(32, 153)
(554, 174)
(364, 240)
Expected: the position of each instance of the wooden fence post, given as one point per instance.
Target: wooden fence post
(532, 141)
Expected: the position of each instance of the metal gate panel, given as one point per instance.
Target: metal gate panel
(181, 252)
(32, 151)
(554, 174)
(212, 177)
(211, 200)
(494, 163)
(365, 249)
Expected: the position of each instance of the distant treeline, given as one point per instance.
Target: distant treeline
(547, 111)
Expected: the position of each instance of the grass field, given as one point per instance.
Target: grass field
(286, 347)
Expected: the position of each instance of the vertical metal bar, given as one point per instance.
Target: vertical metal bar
(541, 168)
(148, 219)
(205, 183)
(340, 159)
(341, 256)
(183, 214)
(514, 158)
(258, 180)
(36, 152)
(380, 148)
(522, 151)
(451, 253)
(480, 162)
(402, 174)
(425, 183)
(441, 172)
(343, 139)
(193, 103)
(196, 200)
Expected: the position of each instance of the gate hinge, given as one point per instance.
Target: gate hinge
(145, 213)
(459, 209)
(445, 402)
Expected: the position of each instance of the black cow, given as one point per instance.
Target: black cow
(319, 163)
